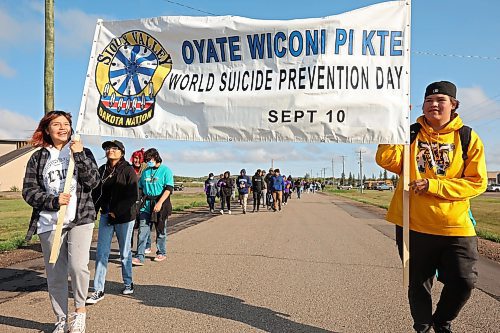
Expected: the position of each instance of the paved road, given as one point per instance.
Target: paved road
(320, 265)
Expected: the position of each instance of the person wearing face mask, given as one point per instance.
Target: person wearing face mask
(43, 187)
(116, 197)
(156, 185)
(137, 160)
(444, 176)
(211, 191)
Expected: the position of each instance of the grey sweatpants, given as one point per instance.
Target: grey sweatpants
(73, 260)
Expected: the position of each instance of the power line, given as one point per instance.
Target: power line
(455, 55)
(189, 7)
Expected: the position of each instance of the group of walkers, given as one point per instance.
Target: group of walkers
(125, 195)
(271, 190)
(447, 168)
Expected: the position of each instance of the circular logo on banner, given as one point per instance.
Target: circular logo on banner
(130, 71)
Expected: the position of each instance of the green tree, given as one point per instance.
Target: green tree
(385, 174)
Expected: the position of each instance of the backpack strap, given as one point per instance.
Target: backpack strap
(465, 136)
(414, 129)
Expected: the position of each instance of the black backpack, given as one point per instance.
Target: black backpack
(464, 132)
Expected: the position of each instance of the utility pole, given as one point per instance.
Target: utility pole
(272, 163)
(360, 170)
(343, 170)
(333, 174)
(48, 75)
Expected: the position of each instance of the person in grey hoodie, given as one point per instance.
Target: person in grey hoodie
(211, 191)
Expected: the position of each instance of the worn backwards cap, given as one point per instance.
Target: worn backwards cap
(441, 87)
(114, 143)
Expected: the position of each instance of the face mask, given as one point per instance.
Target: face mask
(211, 177)
(151, 164)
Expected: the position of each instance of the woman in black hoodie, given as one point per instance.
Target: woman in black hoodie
(117, 198)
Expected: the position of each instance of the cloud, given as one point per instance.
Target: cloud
(476, 106)
(9, 27)
(6, 70)
(20, 24)
(74, 30)
(242, 152)
(16, 126)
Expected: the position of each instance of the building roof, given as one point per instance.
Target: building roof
(11, 156)
(493, 174)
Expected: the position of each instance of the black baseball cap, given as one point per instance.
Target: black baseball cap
(441, 87)
(114, 143)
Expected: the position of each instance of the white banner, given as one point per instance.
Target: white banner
(343, 78)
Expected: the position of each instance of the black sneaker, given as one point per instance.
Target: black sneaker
(129, 290)
(95, 297)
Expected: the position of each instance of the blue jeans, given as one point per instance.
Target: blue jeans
(211, 201)
(145, 233)
(124, 235)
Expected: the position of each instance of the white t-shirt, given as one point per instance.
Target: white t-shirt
(54, 176)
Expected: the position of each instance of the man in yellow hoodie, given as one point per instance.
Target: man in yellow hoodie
(442, 235)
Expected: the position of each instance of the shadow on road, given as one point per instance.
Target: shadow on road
(25, 323)
(21, 280)
(220, 306)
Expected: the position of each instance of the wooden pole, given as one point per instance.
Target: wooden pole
(406, 216)
(48, 77)
(56, 243)
(406, 160)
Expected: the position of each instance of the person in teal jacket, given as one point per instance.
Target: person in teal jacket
(156, 185)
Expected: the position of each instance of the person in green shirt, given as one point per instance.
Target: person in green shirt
(156, 185)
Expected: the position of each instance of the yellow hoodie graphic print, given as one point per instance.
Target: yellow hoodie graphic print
(437, 156)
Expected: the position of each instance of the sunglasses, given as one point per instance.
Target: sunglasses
(111, 148)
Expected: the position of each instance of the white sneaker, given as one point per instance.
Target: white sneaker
(229, 212)
(77, 322)
(95, 297)
(61, 326)
(221, 212)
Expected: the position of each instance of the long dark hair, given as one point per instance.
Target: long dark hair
(40, 137)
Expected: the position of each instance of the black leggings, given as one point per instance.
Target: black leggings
(454, 260)
(225, 199)
(257, 197)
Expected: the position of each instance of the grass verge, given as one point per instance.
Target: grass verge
(15, 216)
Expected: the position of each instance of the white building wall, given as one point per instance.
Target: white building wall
(12, 174)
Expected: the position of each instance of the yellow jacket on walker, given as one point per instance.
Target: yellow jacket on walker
(437, 156)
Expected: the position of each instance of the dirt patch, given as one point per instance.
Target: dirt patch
(489, 249)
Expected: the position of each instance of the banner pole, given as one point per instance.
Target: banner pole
(56, 243)
(406, 216)
(91, 66)
(406, 162)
